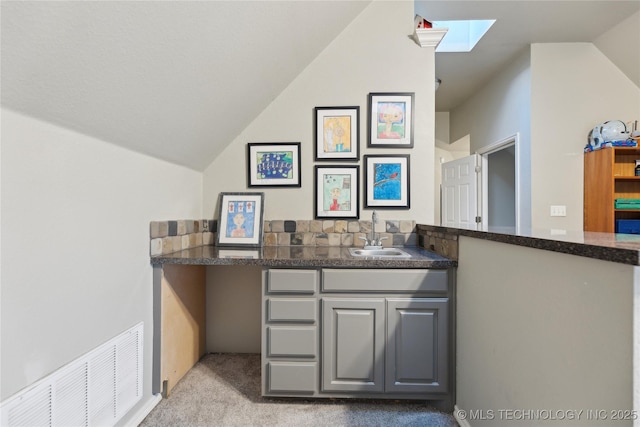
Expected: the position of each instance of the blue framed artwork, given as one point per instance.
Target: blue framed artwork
(273, 164)
(240, 219)
(387, 182)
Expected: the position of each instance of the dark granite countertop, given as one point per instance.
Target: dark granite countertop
(299, 256)
(621, 248)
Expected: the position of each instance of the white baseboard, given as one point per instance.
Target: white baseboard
(142, 412)
(463, 422)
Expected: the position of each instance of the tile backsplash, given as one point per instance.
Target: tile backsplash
(337, 232)
(172, 236)
(441, 240)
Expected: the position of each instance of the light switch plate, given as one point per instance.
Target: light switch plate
(558, 210)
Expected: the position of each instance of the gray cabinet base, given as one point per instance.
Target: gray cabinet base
(328, 337)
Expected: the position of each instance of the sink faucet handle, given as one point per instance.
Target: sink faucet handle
(380, 239)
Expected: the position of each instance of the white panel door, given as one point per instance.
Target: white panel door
(460, 192)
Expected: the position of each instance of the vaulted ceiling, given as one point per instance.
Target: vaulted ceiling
(180, 80)
(177, 80)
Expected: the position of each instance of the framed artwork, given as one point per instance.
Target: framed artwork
(273, 164)
(240, 219)
(386, 181)
(336, 194)
(390, 120)
(337, 133)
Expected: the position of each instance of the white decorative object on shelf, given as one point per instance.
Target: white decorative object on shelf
(429, 37)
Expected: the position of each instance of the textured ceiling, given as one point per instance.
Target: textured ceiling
(179, 80)
(176, 80)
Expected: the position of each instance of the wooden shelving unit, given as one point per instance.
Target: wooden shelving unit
(609, 175)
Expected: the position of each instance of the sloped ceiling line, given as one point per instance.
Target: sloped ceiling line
(181, 80)
(174, 80)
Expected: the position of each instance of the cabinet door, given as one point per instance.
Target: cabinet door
(417, 345)
(353, 344)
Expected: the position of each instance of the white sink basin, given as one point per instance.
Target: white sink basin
(379, 253)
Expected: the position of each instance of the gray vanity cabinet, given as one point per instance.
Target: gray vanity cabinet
(357, 333)
(391, 345)
(390, 335)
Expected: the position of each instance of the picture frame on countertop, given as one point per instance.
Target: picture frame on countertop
(390, 120)
(240, 219)
(273, 164)
(336, 192)
(337, 133)
(387, 182)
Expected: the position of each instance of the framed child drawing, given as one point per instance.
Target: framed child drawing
(386, 182)
(390, 120)
(240, 219)
(273, 164)
(337, 133)
(336, 192)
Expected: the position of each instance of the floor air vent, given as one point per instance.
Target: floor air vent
(95, 389)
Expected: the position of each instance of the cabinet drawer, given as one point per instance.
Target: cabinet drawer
(292, 281)
(292, 341)
(292, 310)
(367, 280)
(292, 376)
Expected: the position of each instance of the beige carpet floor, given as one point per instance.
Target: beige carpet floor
(224, 390)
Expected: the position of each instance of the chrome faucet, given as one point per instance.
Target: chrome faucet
(373, 242)
(374, 221)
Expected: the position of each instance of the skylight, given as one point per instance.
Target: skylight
(462, 35)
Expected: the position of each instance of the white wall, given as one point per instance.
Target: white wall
(234, 309)
(75, 239)
(442, 131)
(552, 95)
(621, 45)
(573, 88)
(554, 334)
(497, 111)
(373, 54)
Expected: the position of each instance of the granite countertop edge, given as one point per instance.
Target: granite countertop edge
(300, 257)
(612, 247)
(619, 248)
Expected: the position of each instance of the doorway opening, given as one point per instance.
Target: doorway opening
(500, 183)
(482, 190)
